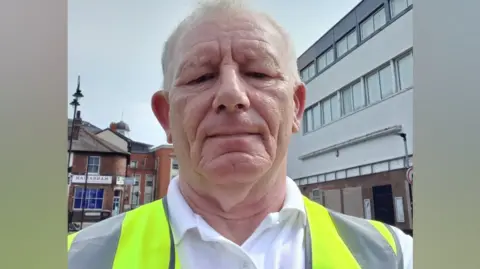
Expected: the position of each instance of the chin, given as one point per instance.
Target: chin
(236, 170)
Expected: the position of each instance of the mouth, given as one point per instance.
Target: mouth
(232, 135)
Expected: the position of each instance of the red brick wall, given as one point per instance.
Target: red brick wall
(163, 172)
(145, 166)
(396, 178)
(110, 165)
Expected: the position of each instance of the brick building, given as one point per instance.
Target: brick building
(113, 156)
(105, 166)
(151, 167)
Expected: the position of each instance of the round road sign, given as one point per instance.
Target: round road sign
(410, 175)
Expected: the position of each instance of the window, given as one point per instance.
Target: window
(397, 6)
(93, 198)
(379, 84)
(317, 196)
(346, 43)
(347, 100)
(148, 196)
(308, 72)
(330, 109)
(308, 120)
(404, 66)
(373, 23)
(373, 88)
(116, 202)
(353, 98)
(136, 191)
(325, 59)
(326, 111)
(133, 164)
(335, 104)
(149, 181)
(93, 166)
(358, 96)
(317, 123)
(386, 83)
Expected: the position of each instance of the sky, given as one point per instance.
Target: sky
(116, 45)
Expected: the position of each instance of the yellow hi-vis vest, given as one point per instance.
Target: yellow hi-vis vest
(142, 239)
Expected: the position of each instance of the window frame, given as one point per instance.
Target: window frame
(87, 198)
(390, 79)
(317, 198)
(322, 103)
(376, 72)
(89, 165)
(393, 12)
(346, 39)
(325, 58)
(398, 84)
(132, 164)
(371, 18)
(361, 84)
(305, 72)
(149, 189)
(394, 78)
(147, 177)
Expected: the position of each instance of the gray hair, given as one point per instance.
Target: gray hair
(206, 8)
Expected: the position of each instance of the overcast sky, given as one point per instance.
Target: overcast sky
(115, 45)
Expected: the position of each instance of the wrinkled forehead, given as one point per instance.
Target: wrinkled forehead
(241, 26)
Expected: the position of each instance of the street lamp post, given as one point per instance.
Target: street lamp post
(84, 195)
(76, 96)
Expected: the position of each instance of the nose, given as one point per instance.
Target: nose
(231, 96)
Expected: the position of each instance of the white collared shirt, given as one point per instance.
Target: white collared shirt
(276, 244)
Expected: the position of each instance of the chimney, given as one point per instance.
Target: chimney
(76, 124)
(113, 126)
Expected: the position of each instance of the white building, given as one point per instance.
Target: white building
(350, 155)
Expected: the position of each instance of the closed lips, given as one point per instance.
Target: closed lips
(231, 135)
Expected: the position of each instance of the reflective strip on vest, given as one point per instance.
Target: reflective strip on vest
(140, 239)
(342, 241)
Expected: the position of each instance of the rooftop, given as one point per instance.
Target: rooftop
(90, 127)
(89, 142)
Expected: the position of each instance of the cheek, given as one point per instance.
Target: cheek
(273, 107)
(189, 111)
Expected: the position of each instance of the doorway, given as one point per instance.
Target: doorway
(117, 194)
(383, 204)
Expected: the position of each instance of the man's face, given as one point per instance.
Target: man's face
(234, 103)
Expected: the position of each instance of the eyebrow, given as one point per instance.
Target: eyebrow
(251, 52)
(195, 57)
(264, 56)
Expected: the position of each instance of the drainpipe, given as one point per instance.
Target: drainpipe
(406, 163)
(129, 149)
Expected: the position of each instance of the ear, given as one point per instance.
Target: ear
(161, 109)
(299, 106)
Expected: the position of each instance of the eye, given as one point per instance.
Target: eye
(256, 75)
(202, 79)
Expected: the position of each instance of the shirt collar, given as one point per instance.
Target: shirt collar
(183, 219)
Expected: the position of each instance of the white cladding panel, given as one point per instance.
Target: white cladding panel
(396, 110)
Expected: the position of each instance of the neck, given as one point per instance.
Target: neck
(236, 212)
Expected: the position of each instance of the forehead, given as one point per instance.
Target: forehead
(210, 32)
